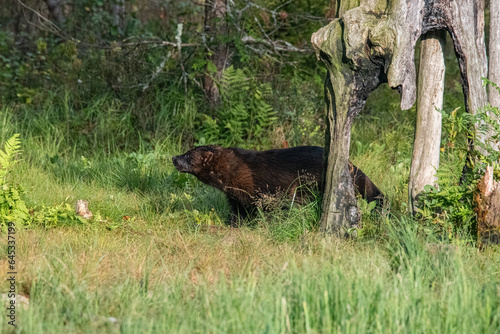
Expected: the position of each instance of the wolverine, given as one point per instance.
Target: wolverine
(244, 176)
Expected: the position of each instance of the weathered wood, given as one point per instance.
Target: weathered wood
(375, 43)
(346, 89)
(464, 19)
(426, 147)
(488, 209)
(494, 53)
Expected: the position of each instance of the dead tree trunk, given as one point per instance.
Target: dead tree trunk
(426, 147)
(494, 53)
(488, 194)
(346, 91)
(217, 51)
(375, 43)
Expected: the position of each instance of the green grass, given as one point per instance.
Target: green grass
(154, 279)
(157, 257)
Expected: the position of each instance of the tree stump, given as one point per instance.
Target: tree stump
(488, 209)
(373, 42)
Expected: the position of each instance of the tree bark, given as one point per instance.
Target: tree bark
(118, 14)
(426, 148)
(488, 194)
(346, 91)
(494, 53)
(375, 43)
(217, 51)
(488, 209)
(55, 11)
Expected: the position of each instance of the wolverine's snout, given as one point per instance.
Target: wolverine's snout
(180, 164)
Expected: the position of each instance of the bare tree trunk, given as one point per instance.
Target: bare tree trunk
(494, 53)
(488, 194)
(55, 11)
(426, 148)
(118, 14)
(217, 51)
(375, 43)
(470, 48)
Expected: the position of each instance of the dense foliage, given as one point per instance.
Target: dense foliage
(451, 205)
(156, 87)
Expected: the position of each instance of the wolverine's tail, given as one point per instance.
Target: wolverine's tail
(365, 186)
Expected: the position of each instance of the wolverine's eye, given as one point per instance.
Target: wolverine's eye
(189, 159)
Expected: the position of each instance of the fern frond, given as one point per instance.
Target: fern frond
(8, 155)
(234, 82)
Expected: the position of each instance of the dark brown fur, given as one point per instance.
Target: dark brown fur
(245, 175)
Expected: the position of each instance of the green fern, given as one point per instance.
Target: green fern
(234, 82)
(244, 114)
(8, 156)
(454, 201)
(12, 207)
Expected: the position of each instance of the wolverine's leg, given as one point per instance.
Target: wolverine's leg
(238, 213)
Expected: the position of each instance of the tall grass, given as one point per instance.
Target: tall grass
(156, 280)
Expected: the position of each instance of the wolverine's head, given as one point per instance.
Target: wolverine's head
(197, 160)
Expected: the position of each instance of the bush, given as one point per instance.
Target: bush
(12, 207)
(451, 205)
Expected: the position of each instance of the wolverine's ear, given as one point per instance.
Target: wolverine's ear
(208, 156)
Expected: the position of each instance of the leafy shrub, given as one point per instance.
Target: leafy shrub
(55, 216)
(12, 206)
(451, 204)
